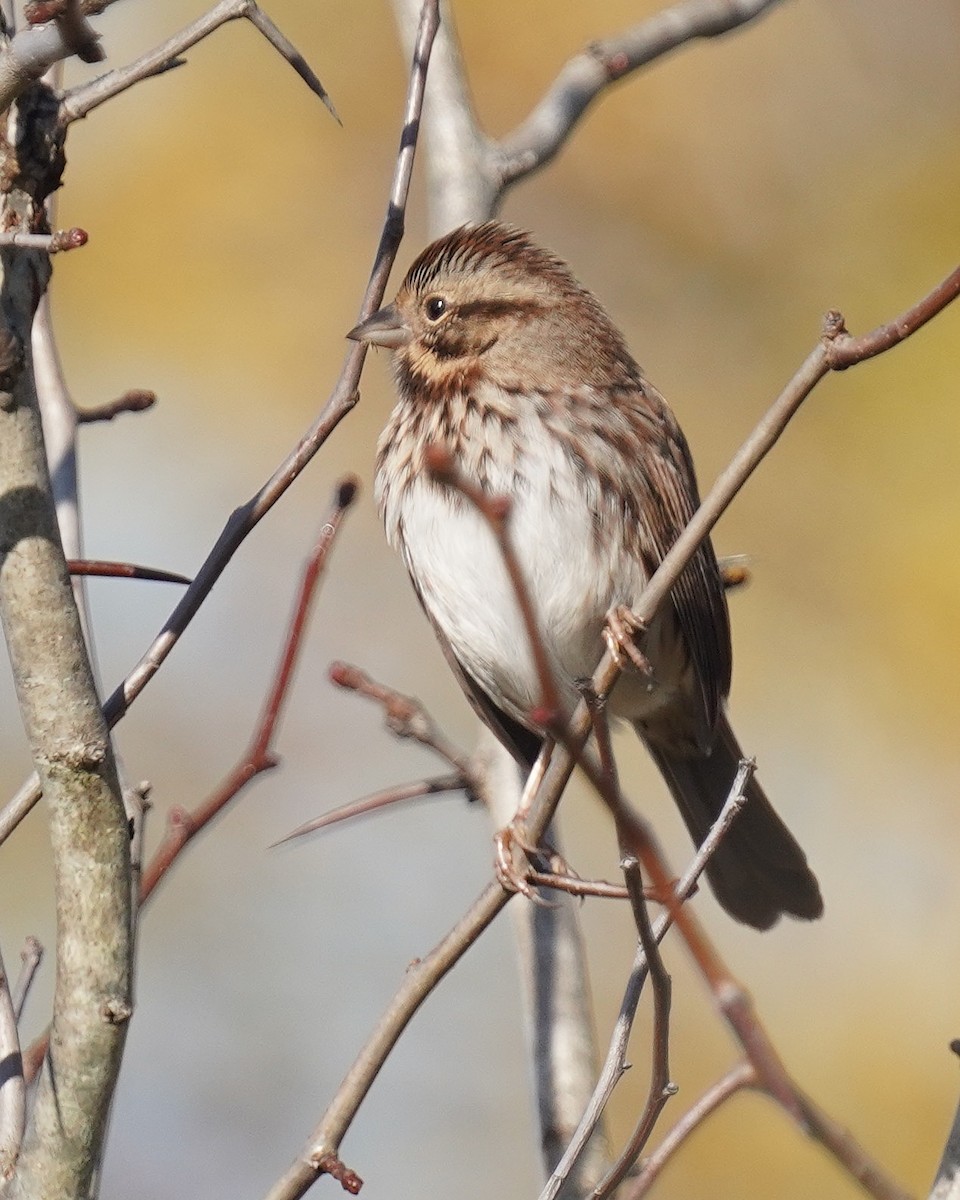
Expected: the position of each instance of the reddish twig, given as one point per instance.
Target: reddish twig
(845, 350)
(184, 825)
(122, 570)
(575, 886)
(405, 715)
(136, 400)
(330, 1164)
(772, 1077)
(380, 800)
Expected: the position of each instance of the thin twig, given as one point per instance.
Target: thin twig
(405, 715)
(736, 1079)
(847, 351)
(536, 141)
(737, 1008)
(54, 243)
(378, 801)
(183, 825)
(136, 400)
(419, 981)
(13, 1092)
(122, 570)
(758, 444)
(661, 1086)
(575, 886)
(341, 401)
(614, 1063)
(80, 101)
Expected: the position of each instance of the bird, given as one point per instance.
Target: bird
(516, 372)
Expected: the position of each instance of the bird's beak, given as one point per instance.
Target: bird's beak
(384, 328)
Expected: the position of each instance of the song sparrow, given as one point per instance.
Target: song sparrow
(503, 359)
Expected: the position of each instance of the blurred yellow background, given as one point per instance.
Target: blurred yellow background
(718, 202)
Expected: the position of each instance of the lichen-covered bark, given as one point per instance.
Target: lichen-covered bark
(61, 713)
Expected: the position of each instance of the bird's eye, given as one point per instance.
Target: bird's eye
(435, 307)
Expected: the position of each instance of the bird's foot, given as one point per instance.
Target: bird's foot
(517, 857)
(619, 633)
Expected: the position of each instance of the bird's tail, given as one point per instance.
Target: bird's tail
(758, 871)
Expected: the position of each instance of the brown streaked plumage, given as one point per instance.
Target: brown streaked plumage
(516, 370)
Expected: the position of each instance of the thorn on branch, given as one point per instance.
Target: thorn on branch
(395, 795)
(123, 570)
(80, 101)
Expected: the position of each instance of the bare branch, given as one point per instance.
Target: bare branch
(614, 1064)
(18, 806)
(134, 401)
(602, 63)
(405, 715)
(600, 889)
(739, 1077)
(80, 101)
(341, 401)
(82, 39)
(847, 351)
(13, 1092)
(29, 54)
(69, 742)
(122, 570)
(736, 1005)
(420, 979)
(183, 826)
(661, 1087)
(53, 243)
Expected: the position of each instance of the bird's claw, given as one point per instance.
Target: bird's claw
(513, 865)
(619, 633)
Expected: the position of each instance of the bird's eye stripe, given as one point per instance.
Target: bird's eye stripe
(500, 308)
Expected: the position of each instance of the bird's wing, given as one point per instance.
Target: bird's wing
(671, 500)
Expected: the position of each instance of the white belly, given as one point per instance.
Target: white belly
(456, 564)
